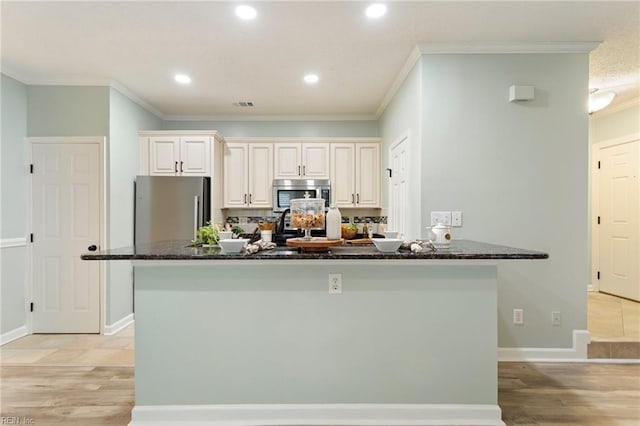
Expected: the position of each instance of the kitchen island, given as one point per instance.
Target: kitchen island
(259, 340)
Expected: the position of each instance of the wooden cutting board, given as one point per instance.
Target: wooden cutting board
(314, 244)
(360, 241)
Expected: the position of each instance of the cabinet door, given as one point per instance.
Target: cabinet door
(195, 156)
(260, 174)
(288, 161)
(164, 156)
(235, 175)
(367, 175)
(315, 161)
(343, 174)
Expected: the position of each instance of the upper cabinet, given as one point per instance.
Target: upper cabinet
(355, 174)
(301, 160)
(180, 156)
(248, 175)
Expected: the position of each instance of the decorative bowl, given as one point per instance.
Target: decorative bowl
(390, 234)
(233, 245)
(387, 245)
(348, 233)
(225, 235)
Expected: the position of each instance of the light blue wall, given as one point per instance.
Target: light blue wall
(518, 172)
(126, 119)
(615, 125)
(13, 207)
(280, 128)
(68, 111)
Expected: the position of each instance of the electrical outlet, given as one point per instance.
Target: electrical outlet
(518, 316)
(335, 283)
(456, 218)
(556, 318)
(443, 218)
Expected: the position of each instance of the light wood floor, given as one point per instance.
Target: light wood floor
(49, 389)
(612, 318)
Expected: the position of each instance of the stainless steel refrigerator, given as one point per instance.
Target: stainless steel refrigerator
(170, 207)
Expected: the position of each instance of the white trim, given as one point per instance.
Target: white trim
(315, 117)
(616, 108)
(14, 334)
(400, 78)
(136, 99)
(287, 139)
(12, 242)
(118, 325)
(316, 414)
(508, 47)
(577, 353)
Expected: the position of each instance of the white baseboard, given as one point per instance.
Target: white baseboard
(118, 325)
(14, 334)
(316, 414)
(577, 353)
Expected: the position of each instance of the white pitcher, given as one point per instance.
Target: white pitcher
(439, 235)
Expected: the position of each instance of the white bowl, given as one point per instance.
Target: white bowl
(390, 234)
(233, 245)
(225, 235)
(387, 245)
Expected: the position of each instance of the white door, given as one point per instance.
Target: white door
(367, 175)
(343, 174)
(66, 221)
(619, 213)
(260, 175)
(235, 175)
(195, 156)
(164, 156)
(287, 161)
(315, 161)
(399, 186)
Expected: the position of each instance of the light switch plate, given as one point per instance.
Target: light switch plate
(456, 218)
(440, 217)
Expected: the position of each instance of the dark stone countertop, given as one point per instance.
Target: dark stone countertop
(182, 250)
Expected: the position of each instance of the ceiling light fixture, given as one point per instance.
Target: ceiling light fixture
(246, 12)
(182, 78)
(600, 100)
(311, 78)
(376, 10)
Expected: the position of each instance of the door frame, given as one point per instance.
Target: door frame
(102, 142)
(594, 206)
(402, 137)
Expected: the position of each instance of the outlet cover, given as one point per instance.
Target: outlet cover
(440, 217)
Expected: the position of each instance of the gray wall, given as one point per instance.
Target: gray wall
(126, 119)
(518, 171)
(13, 207)
(68, 111)
(614, 125)
(280, 128)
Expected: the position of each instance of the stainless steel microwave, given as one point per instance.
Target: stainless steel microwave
(285, 190)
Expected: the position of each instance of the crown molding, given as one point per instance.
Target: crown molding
(400, 78)
(365, 117)
(136, 99)
(616, 108)
(498, 47)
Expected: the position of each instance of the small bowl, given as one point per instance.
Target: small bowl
(390, 234)
(233, 245)
(225, 235)
(387, 245)
(348, 233)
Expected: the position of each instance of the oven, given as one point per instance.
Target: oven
(285, 190)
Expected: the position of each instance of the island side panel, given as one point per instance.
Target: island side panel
(271, 334)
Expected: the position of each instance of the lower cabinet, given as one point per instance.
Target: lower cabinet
(248, 175)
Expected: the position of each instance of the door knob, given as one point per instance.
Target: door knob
(92, 247)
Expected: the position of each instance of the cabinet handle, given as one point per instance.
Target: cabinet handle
(353, 199)
(304, 170)
(245, 198)
(176, 167)
(181, 163)
(357, 198)
(298, 170)
(249, 198)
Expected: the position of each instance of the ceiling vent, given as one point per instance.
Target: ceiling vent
(243, 104)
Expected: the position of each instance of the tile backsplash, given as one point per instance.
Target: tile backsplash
(248, 217)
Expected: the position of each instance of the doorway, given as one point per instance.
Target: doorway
(399, 160)
(66, 212)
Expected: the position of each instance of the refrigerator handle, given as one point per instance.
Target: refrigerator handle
(195, 216)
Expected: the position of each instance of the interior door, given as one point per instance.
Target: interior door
(619, 220)
(399, 187)
(66, 221)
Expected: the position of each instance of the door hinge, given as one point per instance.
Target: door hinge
(598, 164)
(598, 220)
(598, 274)
(390, 172)
(31, 168)
(31, 237)
(31, 306)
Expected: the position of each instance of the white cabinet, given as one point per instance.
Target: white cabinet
(180, 156)
(301, 160)
(355, 174)
(248, 175)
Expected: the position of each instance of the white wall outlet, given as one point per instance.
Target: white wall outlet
(335, 283)
(440, 217)
(518, 316)
(556, 318)
(456, 218)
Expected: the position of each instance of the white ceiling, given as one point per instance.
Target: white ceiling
(141, 45)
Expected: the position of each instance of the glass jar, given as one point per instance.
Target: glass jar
(307, 214)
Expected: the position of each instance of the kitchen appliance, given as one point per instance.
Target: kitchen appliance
(285, 190)
(170, 207)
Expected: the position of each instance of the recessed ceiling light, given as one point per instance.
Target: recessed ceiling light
(311, 78)
(376, 10)
(182, 78)
(246, 12)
